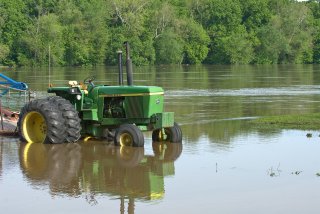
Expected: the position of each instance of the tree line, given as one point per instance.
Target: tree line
(89, 32)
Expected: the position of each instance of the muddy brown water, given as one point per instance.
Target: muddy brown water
(224, 164)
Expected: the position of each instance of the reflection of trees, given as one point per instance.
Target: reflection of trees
(224, 131)
(205, 111)
(95, 168)
(8, 153)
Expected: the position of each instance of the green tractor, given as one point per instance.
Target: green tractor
(120, 113)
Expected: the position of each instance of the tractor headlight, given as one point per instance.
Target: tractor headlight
(78, 97)
(74, 90)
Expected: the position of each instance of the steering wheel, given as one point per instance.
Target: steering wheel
(89, 80)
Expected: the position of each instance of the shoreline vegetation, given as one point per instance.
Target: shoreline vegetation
(299, 121)
(89, 32)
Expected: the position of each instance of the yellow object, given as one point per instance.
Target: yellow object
(156, 195)
(126, 140)
(73, 83)
(87, 138)
(25, 155)
(34, 127)
(84, 88)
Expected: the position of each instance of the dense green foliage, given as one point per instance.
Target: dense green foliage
(89, 32)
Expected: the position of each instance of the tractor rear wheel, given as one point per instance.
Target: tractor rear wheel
(49, 120)
(129, 135)
(71, 118)
(170, 134)
(41, 122)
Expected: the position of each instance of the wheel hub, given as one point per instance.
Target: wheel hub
(126, 140)
(34, 127)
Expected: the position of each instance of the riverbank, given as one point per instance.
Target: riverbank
(303, 122)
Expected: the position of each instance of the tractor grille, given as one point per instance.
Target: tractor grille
(134, 107)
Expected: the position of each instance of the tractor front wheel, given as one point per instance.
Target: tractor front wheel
(129, 135)
(170, 134)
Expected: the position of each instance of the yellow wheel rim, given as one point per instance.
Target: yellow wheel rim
(34, 127)
(160, 135)
(126, 139)
(164, 134)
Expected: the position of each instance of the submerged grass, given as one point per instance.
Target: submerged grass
(303, 122)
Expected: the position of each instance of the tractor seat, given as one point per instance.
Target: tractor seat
(73, 83)
(76, 84)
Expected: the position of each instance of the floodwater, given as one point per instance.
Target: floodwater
(224, 164)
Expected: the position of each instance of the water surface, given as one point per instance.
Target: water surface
(224, 165)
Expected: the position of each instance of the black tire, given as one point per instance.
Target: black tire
(129, 135)
(108, 134)
(171, 134)
(41, 122)
(71, 118)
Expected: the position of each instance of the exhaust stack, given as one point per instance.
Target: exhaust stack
(119, 52)
(128, 65)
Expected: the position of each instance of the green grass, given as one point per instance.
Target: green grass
(303, 122)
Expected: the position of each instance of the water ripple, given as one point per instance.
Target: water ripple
(279, 91)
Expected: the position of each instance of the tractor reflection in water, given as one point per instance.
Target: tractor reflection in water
(1, 160)
(95, 168)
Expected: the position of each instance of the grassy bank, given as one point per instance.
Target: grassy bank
(303, 122)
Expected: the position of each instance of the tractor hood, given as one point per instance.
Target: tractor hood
(127, 91)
